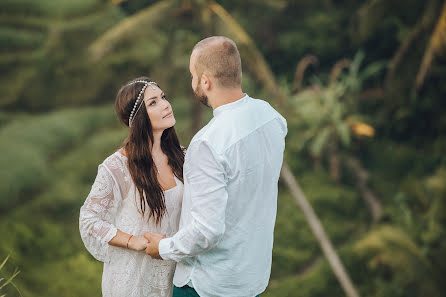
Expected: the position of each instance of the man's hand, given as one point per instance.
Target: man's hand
(152, 247)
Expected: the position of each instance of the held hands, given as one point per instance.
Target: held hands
(138, 243)
(153, 243)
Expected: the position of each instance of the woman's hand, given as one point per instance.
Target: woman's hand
(138, 243)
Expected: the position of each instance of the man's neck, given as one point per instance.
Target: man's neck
(222, 97)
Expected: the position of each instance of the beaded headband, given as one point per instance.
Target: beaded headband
(139, 100)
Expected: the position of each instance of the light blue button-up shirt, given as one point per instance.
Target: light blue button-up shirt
(231, 170)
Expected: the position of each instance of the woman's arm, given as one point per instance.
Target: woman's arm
(125, 240)
(98, 214)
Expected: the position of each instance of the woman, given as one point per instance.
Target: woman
(137, 189)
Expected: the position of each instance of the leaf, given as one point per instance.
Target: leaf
(344, 133)
(373, 69)
(391, 248)
(10, 279)
(4, 262)
(319, 142)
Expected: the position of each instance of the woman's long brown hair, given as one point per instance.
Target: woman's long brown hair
(138, 147)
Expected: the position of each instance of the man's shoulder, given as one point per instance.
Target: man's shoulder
(201, 134)
(265, 106)
(223, 131)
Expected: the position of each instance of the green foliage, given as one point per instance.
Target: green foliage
(391, 252)
(34, 141)
(11, 39)
(54, 245)
(324, 113)
(59, 9)
(50, 155)
(295, 246)
(42, 53)
(6, 281)
(321, 34)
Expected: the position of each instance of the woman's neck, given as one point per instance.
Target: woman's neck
(156, 147)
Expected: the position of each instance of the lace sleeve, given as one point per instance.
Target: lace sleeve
(97, 215)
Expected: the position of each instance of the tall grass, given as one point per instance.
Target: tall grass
(6, 281)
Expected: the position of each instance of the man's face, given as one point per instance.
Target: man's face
(196, 82)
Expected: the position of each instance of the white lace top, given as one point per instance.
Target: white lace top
(112, 204)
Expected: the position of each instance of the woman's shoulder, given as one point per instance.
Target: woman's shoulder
(117, 160)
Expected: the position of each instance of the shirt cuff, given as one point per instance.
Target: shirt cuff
(164, 247)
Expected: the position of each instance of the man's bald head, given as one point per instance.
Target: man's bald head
(219, 57)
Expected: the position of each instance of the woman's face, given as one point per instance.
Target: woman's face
(158, 109)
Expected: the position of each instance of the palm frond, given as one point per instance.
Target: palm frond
(337, 69)
(417, 31)
(303, 64)
(389, 247)
(144, 20)
(437, 46)
(252, 57)
(392, 247)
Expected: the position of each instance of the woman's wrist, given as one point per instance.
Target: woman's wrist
(137, 243)
(128, 240)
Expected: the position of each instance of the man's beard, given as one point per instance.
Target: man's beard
(198, 92)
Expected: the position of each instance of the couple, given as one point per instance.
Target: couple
(202, 229)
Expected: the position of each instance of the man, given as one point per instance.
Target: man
(231, 170)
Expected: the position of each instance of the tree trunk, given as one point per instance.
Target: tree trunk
(362, 177)
(335, 167)
(334, 162)
(418, 30)
(436, 46)
(319, 232)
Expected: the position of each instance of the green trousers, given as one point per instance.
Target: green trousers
(186, 291)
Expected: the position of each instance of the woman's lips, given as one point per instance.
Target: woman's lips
(168, 115)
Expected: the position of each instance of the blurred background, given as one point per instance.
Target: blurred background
(361, 84)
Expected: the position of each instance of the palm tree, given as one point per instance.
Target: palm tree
(217, 21)
(330, 118)
(432, 22)
(35, 48)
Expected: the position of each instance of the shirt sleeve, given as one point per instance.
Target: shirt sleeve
(97, 215)
(206, 182)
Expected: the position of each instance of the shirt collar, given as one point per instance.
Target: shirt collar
(231, 105)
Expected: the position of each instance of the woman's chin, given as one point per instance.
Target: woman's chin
(170, 123)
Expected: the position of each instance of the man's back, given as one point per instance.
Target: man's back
(247, 139)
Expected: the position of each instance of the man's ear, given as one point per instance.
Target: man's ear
(205, 82)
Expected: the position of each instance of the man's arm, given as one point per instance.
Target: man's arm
(207, 186)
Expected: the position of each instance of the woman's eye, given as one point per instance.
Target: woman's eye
(164, 97)
(152, 103)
